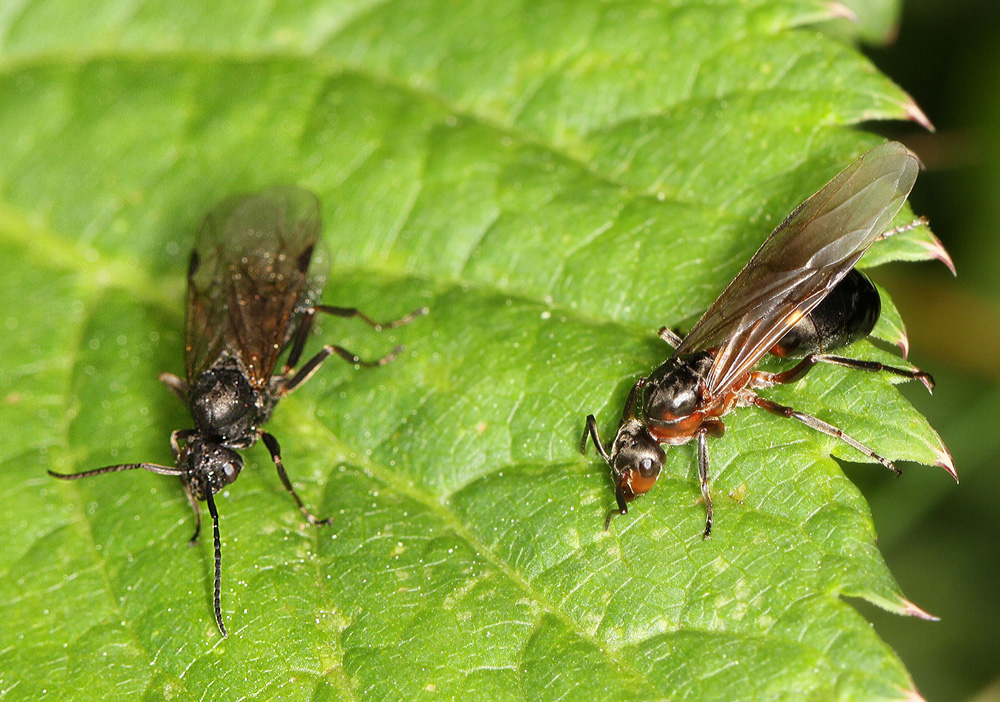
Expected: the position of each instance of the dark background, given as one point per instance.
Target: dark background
(942, 541)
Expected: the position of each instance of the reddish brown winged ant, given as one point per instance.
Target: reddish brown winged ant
(799, 296)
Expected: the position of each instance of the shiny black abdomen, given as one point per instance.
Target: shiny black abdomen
(847, 314)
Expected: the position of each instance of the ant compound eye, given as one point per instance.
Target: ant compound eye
(227, 465)
(648, 468)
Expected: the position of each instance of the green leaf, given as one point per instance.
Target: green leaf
(555, 181)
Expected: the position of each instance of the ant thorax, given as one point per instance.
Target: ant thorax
(225, 406)
(674, 390)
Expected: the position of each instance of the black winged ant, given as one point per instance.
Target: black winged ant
(799, 296)
(254, 280)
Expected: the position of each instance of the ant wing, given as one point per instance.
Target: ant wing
(252, 272)
(801, 261)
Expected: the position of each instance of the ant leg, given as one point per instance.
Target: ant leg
(875, 367)
(218, 562)
(197, 515)
(807, 363)
(305, 326)
(825, 427)
(632, 401)
(313, 364)
(272, 446)
(703, 464)
(299, 343)
(670, 336)
(176, 437)
(176, 385)
(377, 326)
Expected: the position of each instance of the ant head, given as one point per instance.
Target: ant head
(636, 462)
(208, 467)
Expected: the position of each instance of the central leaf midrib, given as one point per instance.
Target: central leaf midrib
(439, 507)
(436, 507)
(83, 518)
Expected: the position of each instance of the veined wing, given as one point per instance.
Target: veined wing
(801, 261)
(257, 262)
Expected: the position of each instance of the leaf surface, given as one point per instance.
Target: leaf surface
(555, 181)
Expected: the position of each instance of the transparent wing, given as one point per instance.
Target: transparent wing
(252, 271)
(801, 261)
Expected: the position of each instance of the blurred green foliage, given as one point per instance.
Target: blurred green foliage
(940, 540)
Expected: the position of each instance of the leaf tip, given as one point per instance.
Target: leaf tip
(908, 609)
(902, 340)
(840, 11)
(937, 251)
(915, 114)
(945, 460)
